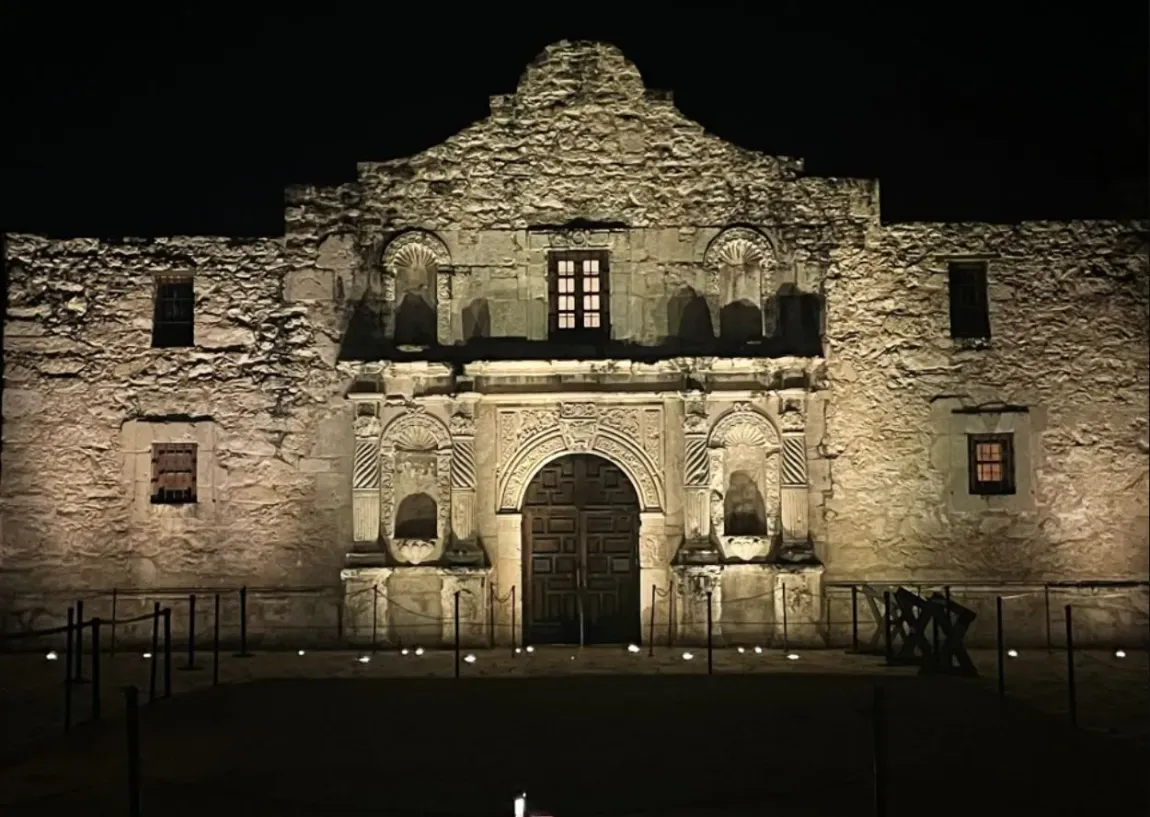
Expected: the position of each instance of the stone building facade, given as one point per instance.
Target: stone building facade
(585, 368)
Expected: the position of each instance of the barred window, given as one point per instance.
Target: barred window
(173, 473)
(173, 322)
(991, 463)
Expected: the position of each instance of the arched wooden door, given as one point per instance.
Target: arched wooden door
(581, 554)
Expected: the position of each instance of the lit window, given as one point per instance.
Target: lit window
(991, 463)
(579, 291)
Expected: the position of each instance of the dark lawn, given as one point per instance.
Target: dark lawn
(766, 744)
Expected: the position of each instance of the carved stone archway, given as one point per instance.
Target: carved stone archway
(418, 248)
(578, 428)
(739, 248)
(743, 427)
(580, 437)
(416, 431)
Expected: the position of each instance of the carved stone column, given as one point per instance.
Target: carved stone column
(794, 499)
(508, 574)
(365, 478)
(443, 306)
(463, 478)
(696, 484)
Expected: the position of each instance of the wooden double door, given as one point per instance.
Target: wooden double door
(580, 561)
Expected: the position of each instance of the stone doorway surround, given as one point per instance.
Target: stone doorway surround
(629, 436)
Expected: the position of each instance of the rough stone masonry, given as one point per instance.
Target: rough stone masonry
(759, 391)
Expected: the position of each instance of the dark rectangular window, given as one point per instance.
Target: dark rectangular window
(173, 322)
(173, 473)
(990, 463)
(579, 293)
(969, 308)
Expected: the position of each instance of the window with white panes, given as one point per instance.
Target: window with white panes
(579, 296)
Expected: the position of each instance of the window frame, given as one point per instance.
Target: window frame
(169, 330)
(579, 331)
(1006, 485)
(967, 291)
(160, 495)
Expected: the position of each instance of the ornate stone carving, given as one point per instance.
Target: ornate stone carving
(792, 414)
(463, 465)
(631, 437)
(794, 460)
(462, 424)
(420, 251)
(738, 246)
(741, 248)
(415, 431)
(746, 425)
(414, 551)
(365, 468)
(695, 462)
(367, 426)
(744, 428)
(415, 249)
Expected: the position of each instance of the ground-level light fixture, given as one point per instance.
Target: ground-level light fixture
(147, 655)
(518, 650)
(1012, 653)
(687, 656)
(404, 651)
(419, 650)
(741, 650)
(364, 659)
(758, 650)
(792, 656)
(301, 652)
(529, 648)
(51, 656)
(1120, 653)
(633, 648)
(469, 658)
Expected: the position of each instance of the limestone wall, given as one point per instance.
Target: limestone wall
(1068, 305)
(85, 396)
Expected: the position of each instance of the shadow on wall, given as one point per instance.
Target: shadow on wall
(477, 320)
(416, 518)
(364, 334)
(790, 323)
(744, 511)
(415, 321)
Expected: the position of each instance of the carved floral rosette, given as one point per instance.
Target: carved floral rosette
(629, 436)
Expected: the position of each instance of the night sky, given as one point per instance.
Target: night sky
(192, 121)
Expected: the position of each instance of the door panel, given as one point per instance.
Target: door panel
(581, 530)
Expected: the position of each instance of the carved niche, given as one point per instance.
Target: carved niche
(629, 436)
(417, 289)
(744, 448)
(739, 264)
(415, 455)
